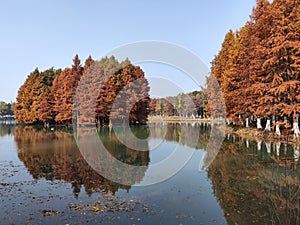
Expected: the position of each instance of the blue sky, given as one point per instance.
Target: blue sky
(49, 33)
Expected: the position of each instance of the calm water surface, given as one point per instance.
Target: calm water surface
(45, 179)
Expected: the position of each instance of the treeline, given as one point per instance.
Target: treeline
(6, 109)
(47, 97)
(258, 68)
(193, 104)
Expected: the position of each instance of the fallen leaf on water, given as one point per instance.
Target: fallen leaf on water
(50, 212)
(97, 208)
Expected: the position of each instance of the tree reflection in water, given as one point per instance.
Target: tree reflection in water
(55, 155)
(6, 129)
(195, 135)
(254, 182)
(259, 184)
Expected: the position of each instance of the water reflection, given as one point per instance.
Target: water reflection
(267, 150)
(185, 133)
(54, 155)
(108, 156)
(6, 129)
(257, 184)
(195, 135)
(254, 181)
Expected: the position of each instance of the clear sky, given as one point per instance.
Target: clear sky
(49, 33)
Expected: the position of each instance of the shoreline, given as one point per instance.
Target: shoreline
(254, 134)
(250, 133)
(176, 119)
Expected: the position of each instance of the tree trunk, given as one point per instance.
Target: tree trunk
(259, 145)
(278, 144)
(285, 122)
(285, 148)
(277, 132)
(109, 124)
(296, 153)
(268, 125)
(247, 122)
(273, 120)
(259, 123)
(296, 129)
(295, 125)
(227, 121)
(77, 117)
(46, 124)
(268, 145)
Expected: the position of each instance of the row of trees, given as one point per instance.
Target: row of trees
(193, 104)
(6, 109)
(258, 67)
(119, 92)
(48, 96)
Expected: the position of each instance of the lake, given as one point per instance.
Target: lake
(170, 174)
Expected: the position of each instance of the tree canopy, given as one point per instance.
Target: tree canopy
(48, 96)
(258, 66)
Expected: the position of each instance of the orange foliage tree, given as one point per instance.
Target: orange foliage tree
(258, 67)
(48, 97)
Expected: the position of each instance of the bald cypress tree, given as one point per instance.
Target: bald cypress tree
(31, 95)
(259, 73)
(64, 88)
